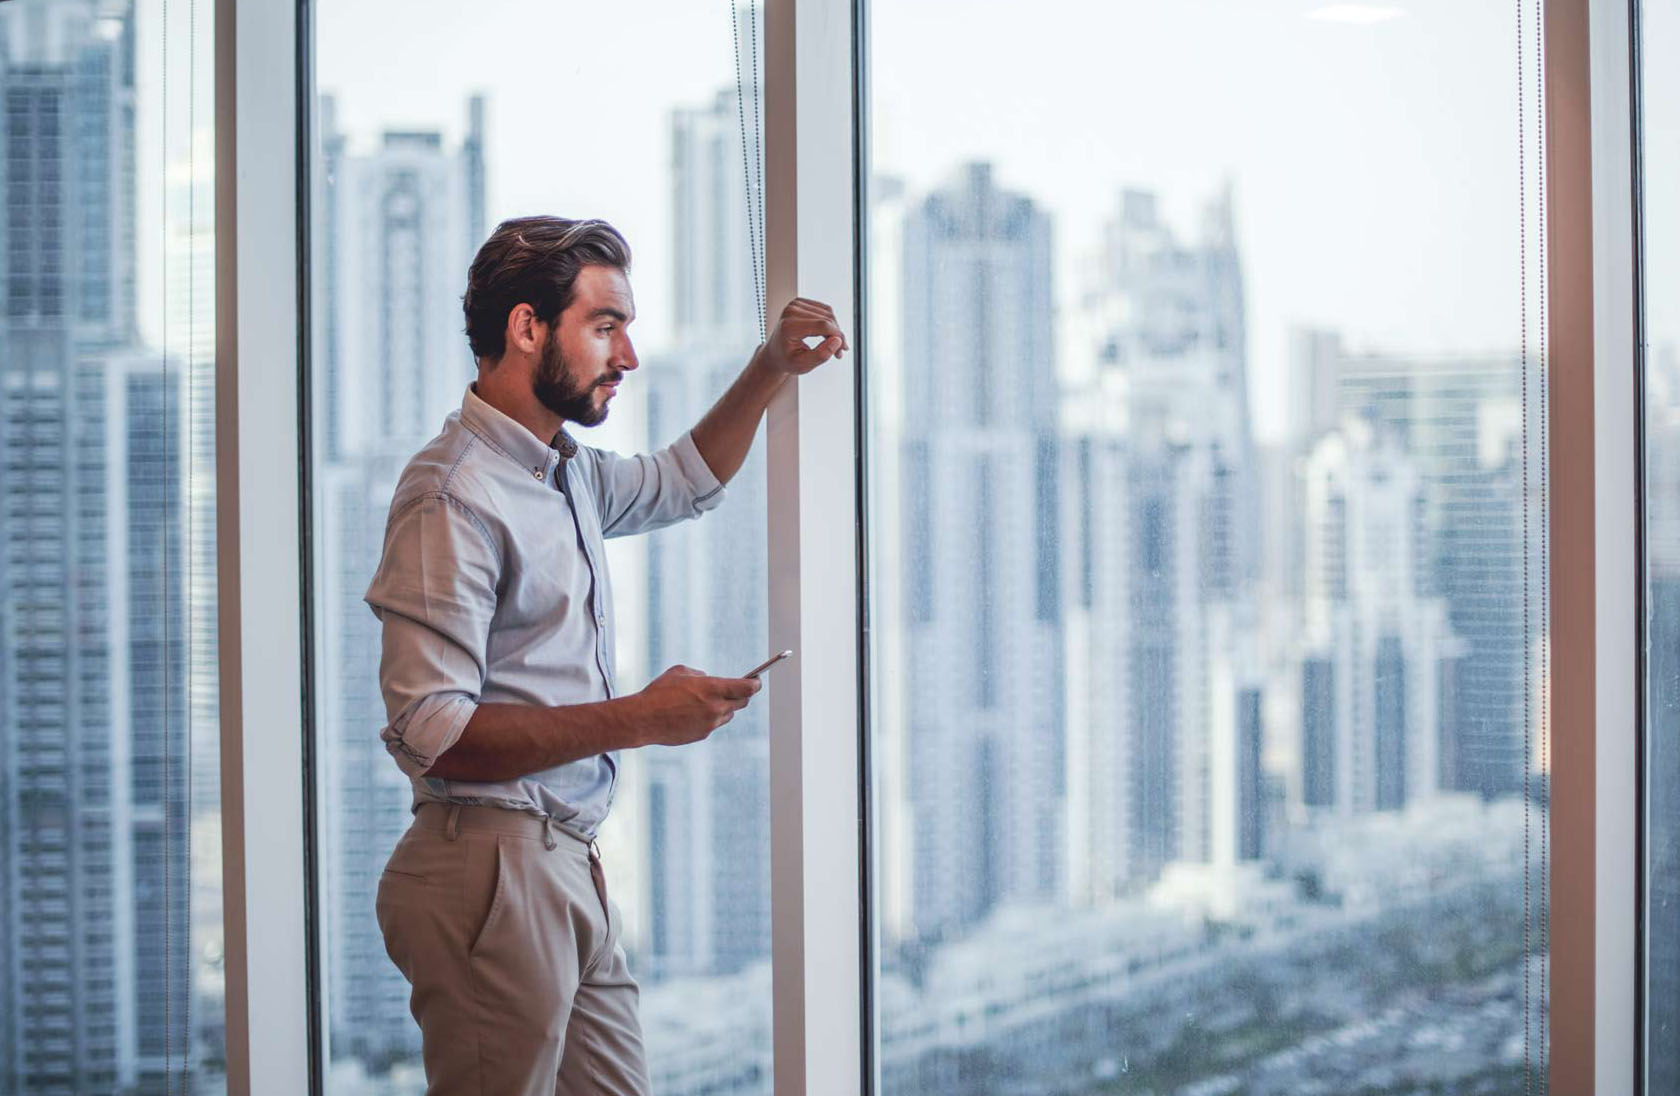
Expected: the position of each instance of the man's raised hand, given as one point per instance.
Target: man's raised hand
(683, 705)
(803, 319)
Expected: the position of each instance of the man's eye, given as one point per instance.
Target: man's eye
(606, 330)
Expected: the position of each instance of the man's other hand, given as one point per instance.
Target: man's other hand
(786, 350)
(683, 705)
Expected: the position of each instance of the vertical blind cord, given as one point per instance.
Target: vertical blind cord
(190, 541)
(755, 209)
(163, 658)
(757, 200)
(1536, 875)
(1544, 363)
(1522, 276)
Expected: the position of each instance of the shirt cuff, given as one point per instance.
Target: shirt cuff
(708, 492)
(420, 735)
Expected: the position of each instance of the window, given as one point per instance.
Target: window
(1659, 25)
(422, 147)
(1248, 840)
(1261, 802)
(110, 837)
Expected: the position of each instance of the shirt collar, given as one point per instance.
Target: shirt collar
(511, 438)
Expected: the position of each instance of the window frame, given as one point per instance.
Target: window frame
(825, 1034)
(819, 915)
(259, 581)
(1645, 824)
(1594, 530)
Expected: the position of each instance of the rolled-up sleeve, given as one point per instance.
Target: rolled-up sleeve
(652, 490)
(434, 594)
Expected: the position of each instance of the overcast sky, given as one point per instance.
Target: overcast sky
(1372, 148)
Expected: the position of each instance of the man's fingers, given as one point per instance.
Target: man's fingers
(816, 319)
(815, 356)
(814, 328)
(806, 304)
(835, 328)
(739, 688)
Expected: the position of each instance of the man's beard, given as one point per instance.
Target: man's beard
(560, 392)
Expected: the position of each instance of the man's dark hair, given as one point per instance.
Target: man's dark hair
(534, 261)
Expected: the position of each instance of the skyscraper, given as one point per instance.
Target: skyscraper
(1377, 645)
(1165, 554)
(1459, 422)
(400, 222)
(707, 808)
(980, 466)
(93, 714)
(716, 209)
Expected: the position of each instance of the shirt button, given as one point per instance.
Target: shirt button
(537, 473)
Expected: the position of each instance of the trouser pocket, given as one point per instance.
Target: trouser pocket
(498, 892)
(440, 896)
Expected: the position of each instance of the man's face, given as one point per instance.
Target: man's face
(588, 351)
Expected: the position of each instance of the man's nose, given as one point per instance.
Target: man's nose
(627, 359)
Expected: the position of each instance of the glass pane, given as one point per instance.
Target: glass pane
(110, 861)
(1659, 24)
(1207, 559)
(429, 134)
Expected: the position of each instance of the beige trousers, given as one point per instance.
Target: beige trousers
(501, 924)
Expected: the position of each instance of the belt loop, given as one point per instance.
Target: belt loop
(548, 832)
(450, 826)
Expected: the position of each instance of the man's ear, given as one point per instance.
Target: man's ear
(522, 329)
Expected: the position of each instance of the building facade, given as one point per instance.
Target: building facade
(1164, 672)
(399, 221)
(94, 716)
(979, 460)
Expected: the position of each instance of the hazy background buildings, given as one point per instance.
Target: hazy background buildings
(107, 609)
(400, 219)
(1175, 715)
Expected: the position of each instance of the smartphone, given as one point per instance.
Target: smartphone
(766, 664)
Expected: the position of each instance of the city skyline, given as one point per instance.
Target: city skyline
(1276, 65)
(676, 387)
(1109, 517)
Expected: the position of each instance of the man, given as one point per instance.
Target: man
(497, 668)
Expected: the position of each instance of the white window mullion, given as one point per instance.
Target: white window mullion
(1616, 576)
(813, 504)
(1594, 524)
(260, 588)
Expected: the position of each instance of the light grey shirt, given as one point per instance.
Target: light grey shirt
(493, 588)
